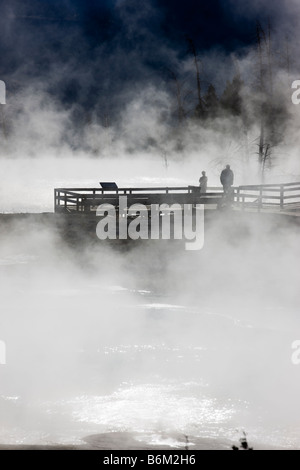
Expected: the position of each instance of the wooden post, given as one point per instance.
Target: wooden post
(281, 197)
(260, 199)
(238, 196)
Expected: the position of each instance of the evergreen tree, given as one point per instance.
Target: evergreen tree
(211, 101)
(231, 100)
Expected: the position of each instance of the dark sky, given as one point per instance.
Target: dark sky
(29, 27)
(82, 49)
(210, 22)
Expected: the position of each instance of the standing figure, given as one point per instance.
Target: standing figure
(227, 178)
(203, 183)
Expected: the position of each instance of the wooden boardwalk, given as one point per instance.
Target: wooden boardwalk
(266, 198)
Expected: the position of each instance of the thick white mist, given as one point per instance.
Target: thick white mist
(28, 184)
(151, 340)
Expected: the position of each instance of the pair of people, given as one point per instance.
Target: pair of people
(226, 178)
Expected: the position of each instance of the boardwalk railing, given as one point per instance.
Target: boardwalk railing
(281, 196)
(88, 199)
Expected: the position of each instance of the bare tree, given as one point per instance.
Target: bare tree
(193, 51)
(267, 126)
(181, 114)
(270, 59)
(260, 37)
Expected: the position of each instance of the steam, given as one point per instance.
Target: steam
(91, 329)
(121, 102)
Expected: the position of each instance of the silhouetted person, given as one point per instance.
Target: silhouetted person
(203, 182)
(227, 178)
